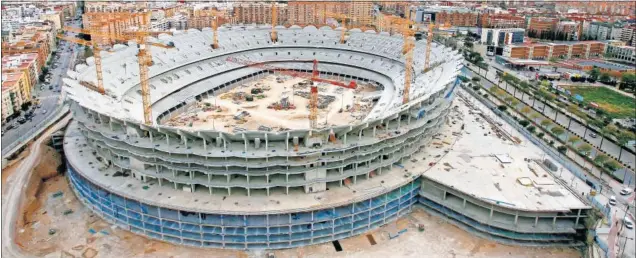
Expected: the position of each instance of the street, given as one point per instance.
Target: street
(49, 98)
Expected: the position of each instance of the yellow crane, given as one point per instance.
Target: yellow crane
(343, 19)
(408, 47)
(274, 22)
(212, 16)
(144, 57)
(429, 41)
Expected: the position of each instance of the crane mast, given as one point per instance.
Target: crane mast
(274, 21)
(429, 41)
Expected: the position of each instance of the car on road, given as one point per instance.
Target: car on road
(21, 120)
(628, 223)
(626, 191)
(612, 200)
(44, 111)
(593, 135)
(9, 127)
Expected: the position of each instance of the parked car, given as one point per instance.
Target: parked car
(612, 200)
(626, 191)
(44, 111)
(593, 135)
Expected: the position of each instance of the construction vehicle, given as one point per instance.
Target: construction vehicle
(314, 77)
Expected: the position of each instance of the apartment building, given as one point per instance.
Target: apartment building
(383, 22)
(628, 35)
(29, 42)
(26, 63)
(7, 103)
(545, 51)
(111, 6)
(618, 50)
(18, 89)
(502, 37)
(605, 31)
(453, 16)
(572, 28)
(55, 17)
(541, 24)
(304, 13)
(489, 20)
(259, 13)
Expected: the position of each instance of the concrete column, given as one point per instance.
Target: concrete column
(150, 134)
(491, 212)
(516, 217)
(578, 216)
(464, 206)
(228, 178)
(267, 191)
(554, 222)
(536, 220)
(248, 191)
(210, 188)
(287, 191)
(344, 138)
(374, 128)
(209, 178)
(205, 144)
(229, 191)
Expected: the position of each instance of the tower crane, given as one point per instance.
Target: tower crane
(213, 16)
(344, 23)
(274, 34)
(144, 57)
(314, 77)
(407, 50)
(429, 41)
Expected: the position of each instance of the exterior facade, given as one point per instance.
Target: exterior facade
(622, 53)
(56, 17)
(27, 63)
(542, 24)
(501, 222)
(489, 20)
(18, 90)
(502, 37)
(566, 50)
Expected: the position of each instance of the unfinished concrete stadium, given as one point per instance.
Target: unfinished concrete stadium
(231, 160)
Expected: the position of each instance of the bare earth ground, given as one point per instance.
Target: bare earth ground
(221, 111)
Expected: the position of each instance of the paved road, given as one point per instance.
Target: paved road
(575, 127)
(49, 99)
(16, 185)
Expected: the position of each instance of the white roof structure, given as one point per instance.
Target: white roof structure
(192, 66)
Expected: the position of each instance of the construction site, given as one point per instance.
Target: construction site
(277, 103)
(274, 140)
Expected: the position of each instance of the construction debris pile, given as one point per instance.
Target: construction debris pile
(283, 104)
(323, 100)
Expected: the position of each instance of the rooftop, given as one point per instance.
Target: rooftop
(500, 172)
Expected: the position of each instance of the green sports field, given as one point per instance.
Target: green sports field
(613, 103)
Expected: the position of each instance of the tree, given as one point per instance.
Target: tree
(613, 165)
(540, 134)
(624, 136)
(476, 79)
(534, 116)
(595, 73)
(573, 139)
(562, 149)
(601, 158)
(585, 148)
(605, 77)
(514, 102)
(525, 110)
(546, 123)
(502, 107)
(557, 130)
(531, 129)
(524, 123)
(509, 99)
